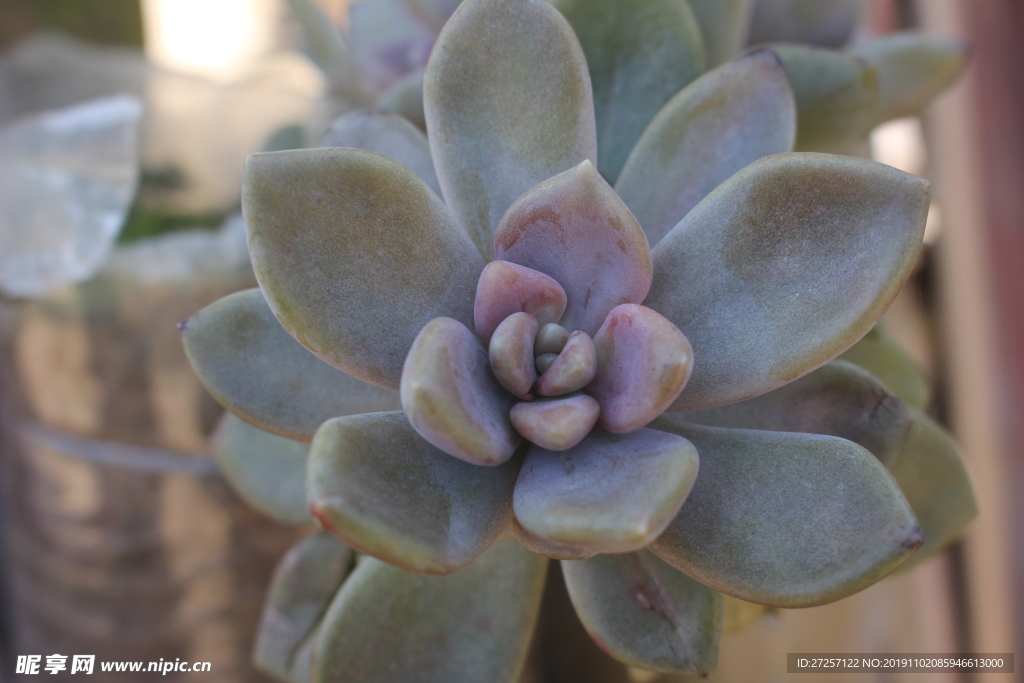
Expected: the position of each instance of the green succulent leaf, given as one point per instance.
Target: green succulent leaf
(783, 267)
(935, 481)
(640, 54)
(824, 23)
(405, 98)
(387, 134)
(305, 581)
(267, 470)
(355, 255)
(253, 367)
(536, 544)
(886, 360)
(508, 104)
(376, 484)
(387, 625)
(838, 399)
(838, 97)
(724, 25)
(719, 124)
(646, 613)
(912, 69)
(611, 493)
(787, 520)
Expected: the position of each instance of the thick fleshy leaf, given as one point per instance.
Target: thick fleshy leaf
(267, 470)
(507, 288)
(724, 25)
(375, 483)
(387, 134)
(643, 362)
(645, 613)
(508, 103)
(935, 481)
(783, 267)
(305, 581)
(784, 519)
(556, 424)
(609, 494)
(511, 354)
(640, 54)
(405, 98)
(355, 255)
(837, 97)
(551, 338)
(825, 23)
(885, 359)
(452, 399)
(912, 69)
(538, 545)
(573, 369)
(575, 229)
(838, 399)
(721, 123)
(252, 366)
(387, 625)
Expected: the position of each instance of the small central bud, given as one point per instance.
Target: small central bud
(572, 369)
(551, 339)
(545, 361)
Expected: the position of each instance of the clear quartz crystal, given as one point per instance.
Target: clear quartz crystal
(67, 180)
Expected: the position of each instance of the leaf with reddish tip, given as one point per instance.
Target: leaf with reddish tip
(783, 267)
(646, 613)
(886, 360)
(305, 581)
(643, 362)
(355, 255)
(506, 288)
(376, 484)
(452, 399)
(387, 134)
(838, 399)
(253, 367)
(556, 424)
(266, 470)
(609, 494)
(572, 369)
(723, 26)
(508, 104)
(511, 354)
(574, 228)
(837, 97)
(912, 69)
(784, 519)
(640, 53)
(826, 23)
(935, 481)
(538, 545)
(722, 122)
(389, 626)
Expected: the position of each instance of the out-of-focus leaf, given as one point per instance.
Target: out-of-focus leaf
(640, 54)
(718, 125)
(824, 23)
(610, 494)
(575, 229)
(738, 614)
(783, 267)
(508, 104)
(355, 255)
(934, 479)
(838, 97)
(883, 358)
(375, 483)
(646, 613)
(787, 520)
(724, 25)
(912, 69)
(267, 470)
(330, 53)
(838, 399)
(387, 625)
(252, 366)
(305, 581)
(405, 98)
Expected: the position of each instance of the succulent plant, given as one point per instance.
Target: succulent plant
(504, 349)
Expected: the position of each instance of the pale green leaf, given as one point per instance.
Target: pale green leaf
(883, 358)
(824, 23)
(724, 25)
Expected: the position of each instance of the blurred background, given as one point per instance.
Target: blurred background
(120, 538)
